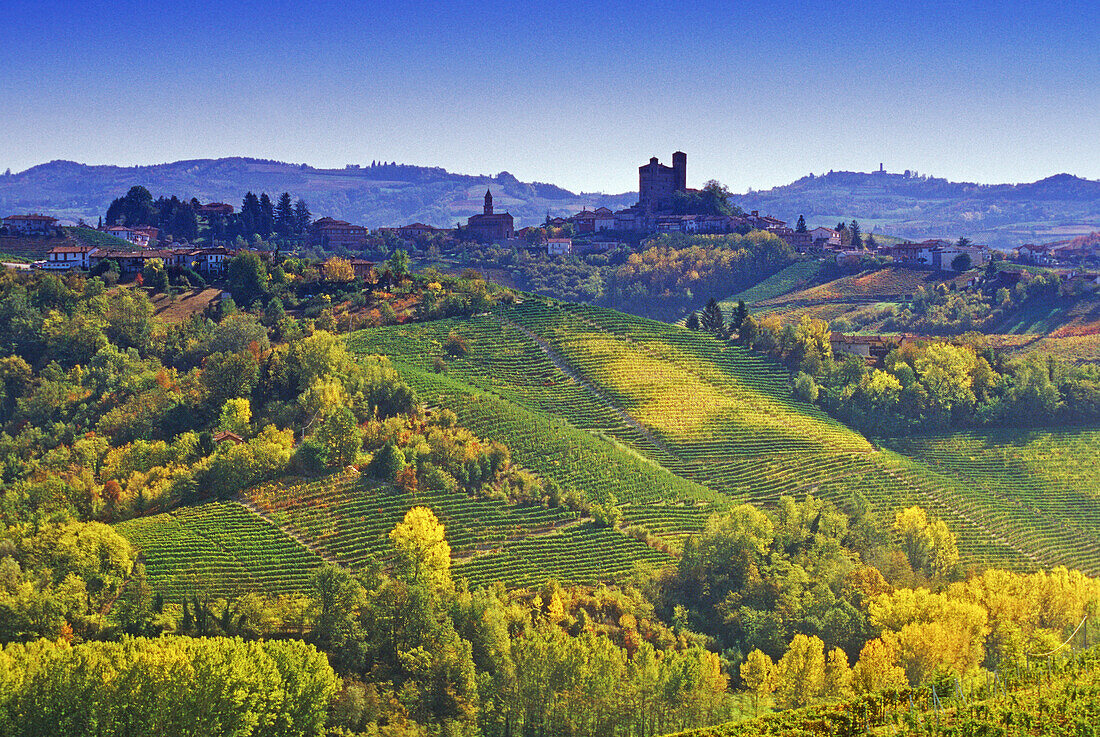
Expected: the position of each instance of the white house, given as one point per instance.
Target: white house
(138, 236)
(605, 219)
(825, 236)
(61, 258)
(559, 246)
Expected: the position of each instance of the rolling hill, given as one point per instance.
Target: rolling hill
(668, 424)
(905, 205)
(379, 195)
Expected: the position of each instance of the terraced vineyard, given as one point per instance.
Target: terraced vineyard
(674, 418)
(221, 549)
(349, 519)
(672, 424)
(1042, 487)
(794, 277)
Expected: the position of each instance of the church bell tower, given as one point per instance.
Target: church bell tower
(488, 202)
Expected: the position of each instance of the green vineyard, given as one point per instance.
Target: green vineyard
(218, 549)
(671, 425)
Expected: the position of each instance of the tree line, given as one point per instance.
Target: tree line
(258, 217)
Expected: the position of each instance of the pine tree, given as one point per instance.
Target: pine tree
(285, 221)
(711, 319)
(857, 239)
(251, 215)
(302, 217)
(267, 212)
(739, 315)
(800, 227)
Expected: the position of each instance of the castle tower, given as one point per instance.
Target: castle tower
(680, 171)
(488, 202)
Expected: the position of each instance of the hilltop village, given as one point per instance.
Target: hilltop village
(665, 205)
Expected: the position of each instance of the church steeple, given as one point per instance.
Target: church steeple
(488, 202)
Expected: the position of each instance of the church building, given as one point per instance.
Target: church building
(490, 226)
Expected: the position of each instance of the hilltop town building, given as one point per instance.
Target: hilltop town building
(657, 183)
(332, 233)
(491, 226)
(30, 224)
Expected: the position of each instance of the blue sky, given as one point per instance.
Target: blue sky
(574, 93)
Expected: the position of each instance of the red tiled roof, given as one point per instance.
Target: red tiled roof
(31, 217)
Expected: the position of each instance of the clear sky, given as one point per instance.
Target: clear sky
(574, 93)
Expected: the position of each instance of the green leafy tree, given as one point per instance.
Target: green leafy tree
(248, 278)
(340, 436)
(398, 264)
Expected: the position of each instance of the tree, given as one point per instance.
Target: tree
(423, 555)
(267, 216)
(711, 319)
(248, 278)
(962, 262)
(335, 595)
(838, 676)
(398, 264)
(236, 415)
(340, 436)
(251, 215)
(302, 217)
(800, 675)
(285, 219)
(927, 542)
(877, 669)
(154, 276)
(337, 269)
(739, 315)
(800, 226)
(136, 208)
(856, 237)
(758, 674)
(692, 321)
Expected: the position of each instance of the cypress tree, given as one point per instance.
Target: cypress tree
(800, 227)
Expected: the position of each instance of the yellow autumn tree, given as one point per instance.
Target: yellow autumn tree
(758, 675)
(800, 676)
(927, 541)
(877, 668)
(838, 675)
(931, 631)
(338, 269)
(423, 555)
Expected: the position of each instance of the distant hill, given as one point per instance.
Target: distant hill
(1056, 208)
(377, 195)
(1060, 207)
